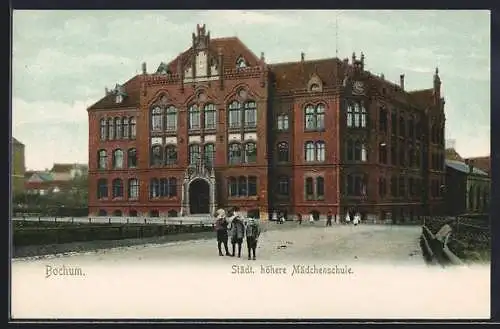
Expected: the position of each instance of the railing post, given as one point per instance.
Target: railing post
(90, 220)
(72, 220)
(55, 219)
(145, 221)
(127, 220)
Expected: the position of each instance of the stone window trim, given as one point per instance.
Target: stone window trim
(314, 117)
(117, 128)
(282, 152)
(312, 182)
(357, 114)
(283, 122)
(314, 151)
(164, 187)
(240, 113)
(241, 148)
(242, 187)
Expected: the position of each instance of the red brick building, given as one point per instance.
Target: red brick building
(220, 127)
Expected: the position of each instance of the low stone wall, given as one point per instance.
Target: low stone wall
(435, 247)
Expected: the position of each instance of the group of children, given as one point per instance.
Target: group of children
(234, 225)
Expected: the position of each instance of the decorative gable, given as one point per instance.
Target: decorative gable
(315, 84)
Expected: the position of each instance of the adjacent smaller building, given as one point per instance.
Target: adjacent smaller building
(467, 188)
(61, 178)
(18, 167)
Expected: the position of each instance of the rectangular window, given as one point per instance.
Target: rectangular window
(234, 118)
(320, 188)
(283, 122)
(252, 186)
(394, 124)
(250, 117)
(194, 120)
(210, 119)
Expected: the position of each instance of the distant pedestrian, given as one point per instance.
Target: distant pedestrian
(221, 225)
(282, 218)
(311, 218)
(329, 217)
(347, 218)
(299, 218)
(237, 233)
(252, 232)
(357, 219)
(275, 216)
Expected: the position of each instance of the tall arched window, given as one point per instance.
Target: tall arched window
(194, 153)
(282, 122)
(156, 155)
(170, 154)
(118, 159)
(250, 114)
(310, 118)
(125, 127)
(156, 118)
(133, 188)
(132, 125)
(209, 152)
(210, 116)
(363, 116)
(132, 158)
(154, 188)
(250, 152)
(235, 115)
(118, 128)
(117, 188)
(320, 151)
(111, 129)
(350, 115)
(357, 114)
(194, 117)
(171, 119)
(103, 130)
(309, 151)
(102, 159)
(234, 153)
(320, 116)
(102, 188)
(283, 154)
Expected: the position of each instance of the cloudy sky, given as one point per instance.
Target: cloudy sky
(63, 60)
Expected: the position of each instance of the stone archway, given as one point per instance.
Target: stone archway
(198, 191)
(199, 196)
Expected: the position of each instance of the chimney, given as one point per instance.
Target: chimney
(144, 68)
(402, 81)
(302, 57)
(262, 58)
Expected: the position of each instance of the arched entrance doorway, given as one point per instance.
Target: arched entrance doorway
(199, 197)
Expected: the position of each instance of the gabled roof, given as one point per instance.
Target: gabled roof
(132, 98)
(463, 167)
(422, 97)
(296, 75)
(232, 49)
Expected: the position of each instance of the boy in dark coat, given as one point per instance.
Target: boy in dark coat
(221, 229)
(252, 232)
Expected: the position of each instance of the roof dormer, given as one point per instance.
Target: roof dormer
(241, 63)
(315, 84)
(119, 93)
